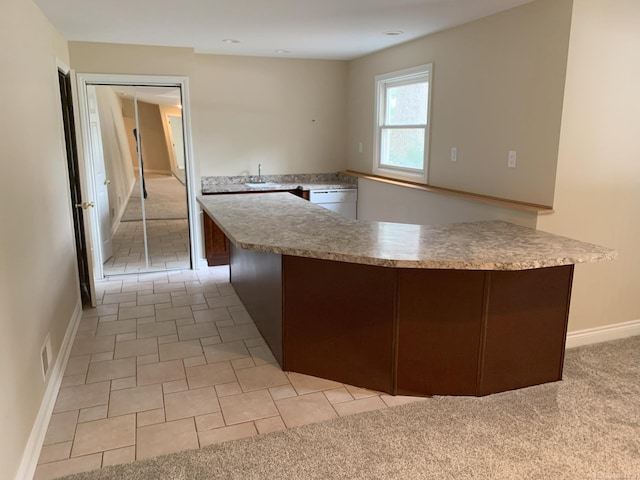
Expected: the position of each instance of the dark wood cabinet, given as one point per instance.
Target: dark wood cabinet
(216, 243)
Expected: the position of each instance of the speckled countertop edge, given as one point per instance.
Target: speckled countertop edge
(284, 224)
(306, 181)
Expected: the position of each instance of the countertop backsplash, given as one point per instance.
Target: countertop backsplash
(322, 180)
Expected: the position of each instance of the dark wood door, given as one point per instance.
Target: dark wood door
(74, 184)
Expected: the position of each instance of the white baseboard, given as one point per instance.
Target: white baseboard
(123, 207)
(153, 170)
(603, 334)
(34, 443)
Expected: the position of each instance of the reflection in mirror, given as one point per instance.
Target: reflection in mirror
(141, 132)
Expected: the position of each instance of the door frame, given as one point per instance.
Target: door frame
(84, 79)
(82, 173)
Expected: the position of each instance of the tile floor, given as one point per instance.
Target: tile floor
(172, 361)
(168, 242)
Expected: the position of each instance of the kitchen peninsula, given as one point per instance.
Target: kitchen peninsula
(462, 309)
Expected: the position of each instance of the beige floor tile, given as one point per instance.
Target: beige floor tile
(185, 321)
(212, 374)
(137, 287)
(139, 399)
(175, 386)
(210, 341)
(145, 320)
(165, 438)
(240, 363)
(150, 417)
(122, 383)
(264, 376)
(101, 357)
(107, 434)
(268, 425)
(359, 406)
(126, 313)
(114, 328)
(119, 298)
(255, 342)
(191, 403)
(88, 325)
(188, 300)
(224, 301)
(55, 452)
(173, 314)
(284, 391)
(160, 372)
(53, 470)
(225, 351)
(154, 298)
(108, 318)
(134, 348)
(209, 421)
(93, 413)
(119, 456)
(262, 355)
(77, 365)
(157, 329)
(225, 434)
(73, 381)
(102, 371)
(358, 393)
(123, 337)
(87, 345)
(304, 409)
(211, 315)
(238, 332)
(394, 401)
(307, 384)
(240, 317)
(225, 323)
(197, 330)
(100, 311)
(246, 407)
(168, 339)
(226, 389)
(338, 395)
(194, 361)
(147, 359)
(82, 396)
(173, 351)
(62, 427)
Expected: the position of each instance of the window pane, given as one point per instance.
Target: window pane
(407, 104)
(402, 147)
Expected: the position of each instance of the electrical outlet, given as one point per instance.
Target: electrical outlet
(512, 159)
(454, 154)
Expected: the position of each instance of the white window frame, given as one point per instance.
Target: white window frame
(391, 79)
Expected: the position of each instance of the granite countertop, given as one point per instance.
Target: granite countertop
(274, 183)
(285, 224)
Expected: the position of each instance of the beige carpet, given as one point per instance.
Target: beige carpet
(585, 427)
(166, 199)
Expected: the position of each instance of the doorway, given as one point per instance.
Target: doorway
(142, 185)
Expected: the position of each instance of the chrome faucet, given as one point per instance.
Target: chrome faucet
(260, 180)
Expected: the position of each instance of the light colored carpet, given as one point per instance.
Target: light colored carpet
(585, 427)
(166, 199)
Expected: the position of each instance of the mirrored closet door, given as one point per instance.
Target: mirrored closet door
(138, 160)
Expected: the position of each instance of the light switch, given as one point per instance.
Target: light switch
(454, 154)
(512, 159)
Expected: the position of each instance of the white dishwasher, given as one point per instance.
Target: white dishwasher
(342, 201)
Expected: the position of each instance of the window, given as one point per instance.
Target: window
(402, 123)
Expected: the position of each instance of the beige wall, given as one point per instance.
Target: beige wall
(38, 273)
(155, 155)
(598, 182)
(497, 86)
(117, 156)
(288, 115)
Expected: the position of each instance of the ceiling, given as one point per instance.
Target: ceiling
(327, 29)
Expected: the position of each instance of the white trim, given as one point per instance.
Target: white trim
(401, 77)
(32, 449)
(603, 334)
(116, 222)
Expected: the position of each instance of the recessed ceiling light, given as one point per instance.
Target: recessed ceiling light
(230, 40)
(282, 51)
(392, 33)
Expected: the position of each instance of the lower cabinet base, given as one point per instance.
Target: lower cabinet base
(408, 331)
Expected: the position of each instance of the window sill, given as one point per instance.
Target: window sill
(474, 197)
